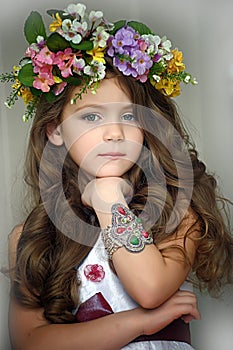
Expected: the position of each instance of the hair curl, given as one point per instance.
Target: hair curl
(47, 259)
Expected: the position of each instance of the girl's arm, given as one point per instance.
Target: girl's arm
(29, 330)
(148, 276)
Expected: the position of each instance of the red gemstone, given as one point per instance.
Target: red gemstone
(145, 234)
(121, 210)
(120, 230)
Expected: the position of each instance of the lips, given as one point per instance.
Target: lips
(112, 155)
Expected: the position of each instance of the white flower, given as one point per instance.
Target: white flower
(94, 15)
(39, 39)
(78, 65)
(187, 79)
(166, 44)
(78, 27)
(96, 70)
(195, 82)
(100, 37)
(156, 78)
(153, 41)
(75, 10)
(69, 32)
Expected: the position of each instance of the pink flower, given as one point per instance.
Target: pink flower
(59, 88)
(45, 56)
(94, 273)
(64, 61)
(43, 81)
(30, 53)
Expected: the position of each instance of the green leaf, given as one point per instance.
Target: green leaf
(118, 25)
(53, 13)
(56, 42)
(84, 46)
(73, 80)
(26, 75)
(33, 27)
(35, 92)
(140, 27)
(50, 97)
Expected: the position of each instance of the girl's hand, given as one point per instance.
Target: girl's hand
(181, 304)
(102, 193)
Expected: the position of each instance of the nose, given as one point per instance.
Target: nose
(113, 132)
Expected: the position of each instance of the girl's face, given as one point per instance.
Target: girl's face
(101, 133)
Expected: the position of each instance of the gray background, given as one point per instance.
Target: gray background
(203, 30)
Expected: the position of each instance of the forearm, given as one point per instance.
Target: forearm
(147, 268)
(109, 332)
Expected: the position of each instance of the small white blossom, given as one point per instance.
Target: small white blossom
(69, 32)
(187, 79)
(78, 65)
(153, 41)
(166, 44)
(95, 70)
(78, 27)
(94, 15)
(100, 37)
(75, 10)
(156, 78)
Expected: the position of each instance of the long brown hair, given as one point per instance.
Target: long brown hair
(47, 259)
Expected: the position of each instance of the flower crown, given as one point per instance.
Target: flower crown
(75, 50)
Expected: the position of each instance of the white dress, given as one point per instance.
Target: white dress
(111, 288)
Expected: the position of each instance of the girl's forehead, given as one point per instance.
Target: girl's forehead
(108, 92)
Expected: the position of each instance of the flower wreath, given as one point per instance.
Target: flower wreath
(75, 50)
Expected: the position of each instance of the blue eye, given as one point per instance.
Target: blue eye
(92, 117)
(129, 117)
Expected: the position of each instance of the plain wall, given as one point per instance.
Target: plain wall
(203, 30)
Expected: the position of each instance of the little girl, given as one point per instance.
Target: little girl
(124, 214)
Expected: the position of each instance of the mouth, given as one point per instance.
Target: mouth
(112, 155)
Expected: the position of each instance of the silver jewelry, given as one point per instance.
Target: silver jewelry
(126, 231)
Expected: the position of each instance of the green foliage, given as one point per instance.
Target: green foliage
(53, 13)
(85, 45)
(140, 27)
(26, 75)
(118, 25)
(56, 42)
(33, 27)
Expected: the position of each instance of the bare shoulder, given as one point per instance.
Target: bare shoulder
(14, 236)
(13, 239)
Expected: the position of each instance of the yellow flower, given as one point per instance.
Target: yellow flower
(57, 23)
(57, 80)
(176, 65)
(17, 84)
(97, 54)
(168, 87)
(16, 70)
(26, 95)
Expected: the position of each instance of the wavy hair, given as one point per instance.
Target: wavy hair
(47, 259)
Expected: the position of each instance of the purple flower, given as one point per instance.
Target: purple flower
(124, 39)
(142, 62)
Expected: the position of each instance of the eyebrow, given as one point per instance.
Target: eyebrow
(102, 106)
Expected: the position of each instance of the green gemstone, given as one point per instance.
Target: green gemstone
(134, 240)
(139, 220)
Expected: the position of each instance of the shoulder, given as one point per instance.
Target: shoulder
(13, 239)
(15, 234)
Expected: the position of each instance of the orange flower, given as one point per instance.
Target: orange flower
(176, 65)
(168, 87)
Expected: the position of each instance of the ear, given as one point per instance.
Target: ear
(54, 134)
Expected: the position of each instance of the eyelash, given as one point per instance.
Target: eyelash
(86, 117)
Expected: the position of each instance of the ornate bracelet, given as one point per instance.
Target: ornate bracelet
(126, 231)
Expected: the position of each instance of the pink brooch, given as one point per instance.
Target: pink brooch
(94, 273)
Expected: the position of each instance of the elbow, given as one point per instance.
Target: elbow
(150, 299)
